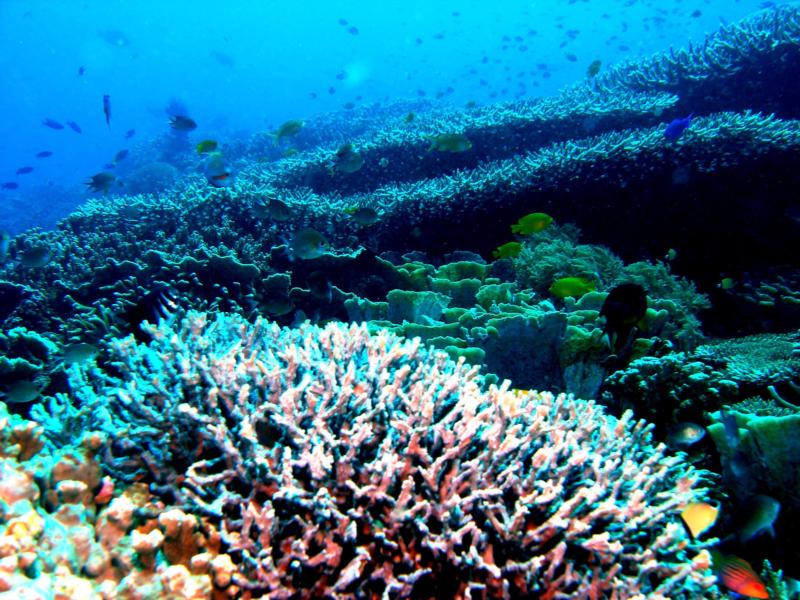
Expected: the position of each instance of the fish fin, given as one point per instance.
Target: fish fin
(641, 324)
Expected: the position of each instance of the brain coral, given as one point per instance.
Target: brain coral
(344, 464)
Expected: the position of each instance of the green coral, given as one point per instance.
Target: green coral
(556, 253)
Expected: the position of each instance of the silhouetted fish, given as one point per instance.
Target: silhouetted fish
(52, 124)
(676, 128)
(160, 303)
(74, 126)
(107, 108)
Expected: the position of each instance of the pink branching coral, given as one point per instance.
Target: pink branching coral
(347, 465)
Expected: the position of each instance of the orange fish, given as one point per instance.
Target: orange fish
(699, 517)
(737, 575)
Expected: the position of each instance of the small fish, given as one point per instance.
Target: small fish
(726, 283)
(24, 170)
(223, 59)
(21, 392)
(287, 129)
(572, 286)
(279, 210)
(81, 70)
(182, 123)
(10, 185)
(623, 309)
(363, 215)
(35, 257)
(683, 435)
(532, 223)
(101, 182)
(347, 160)
(699, 517)
(107, 108)
(130, 133)
(671, 255)
(216, 170)
(594, 68)
(449, 142)
(156, 305)
(52, 124)
(737, 575)
(735, 466)
(319, 286)
(409, 117)
(308, 244)
(676, 127)
(507, 250)
(763, 512)
(74, 126)
(5, 242)
(44, 154)
(352, 30)
(120, 156)
(206, 146)
(79, 353)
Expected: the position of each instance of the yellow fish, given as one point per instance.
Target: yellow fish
(699, 517)
(532, 223)
(206, 146)
(572, 286)
(287, 129)
(507, 250)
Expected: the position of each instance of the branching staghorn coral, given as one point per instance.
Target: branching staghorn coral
(342, 463)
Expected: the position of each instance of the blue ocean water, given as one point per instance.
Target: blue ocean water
(249, 66)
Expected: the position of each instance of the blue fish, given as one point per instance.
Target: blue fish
(130, 133)
(44, 154)
(52, 124)
(676, 128)
(74, 126)
(107, 108)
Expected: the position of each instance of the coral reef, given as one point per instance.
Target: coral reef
(66, 533)
(345, 463)
(348, 462)
(681, 386)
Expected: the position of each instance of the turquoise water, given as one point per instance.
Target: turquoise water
(244, 67)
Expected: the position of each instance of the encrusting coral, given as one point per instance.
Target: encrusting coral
(67, 534)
